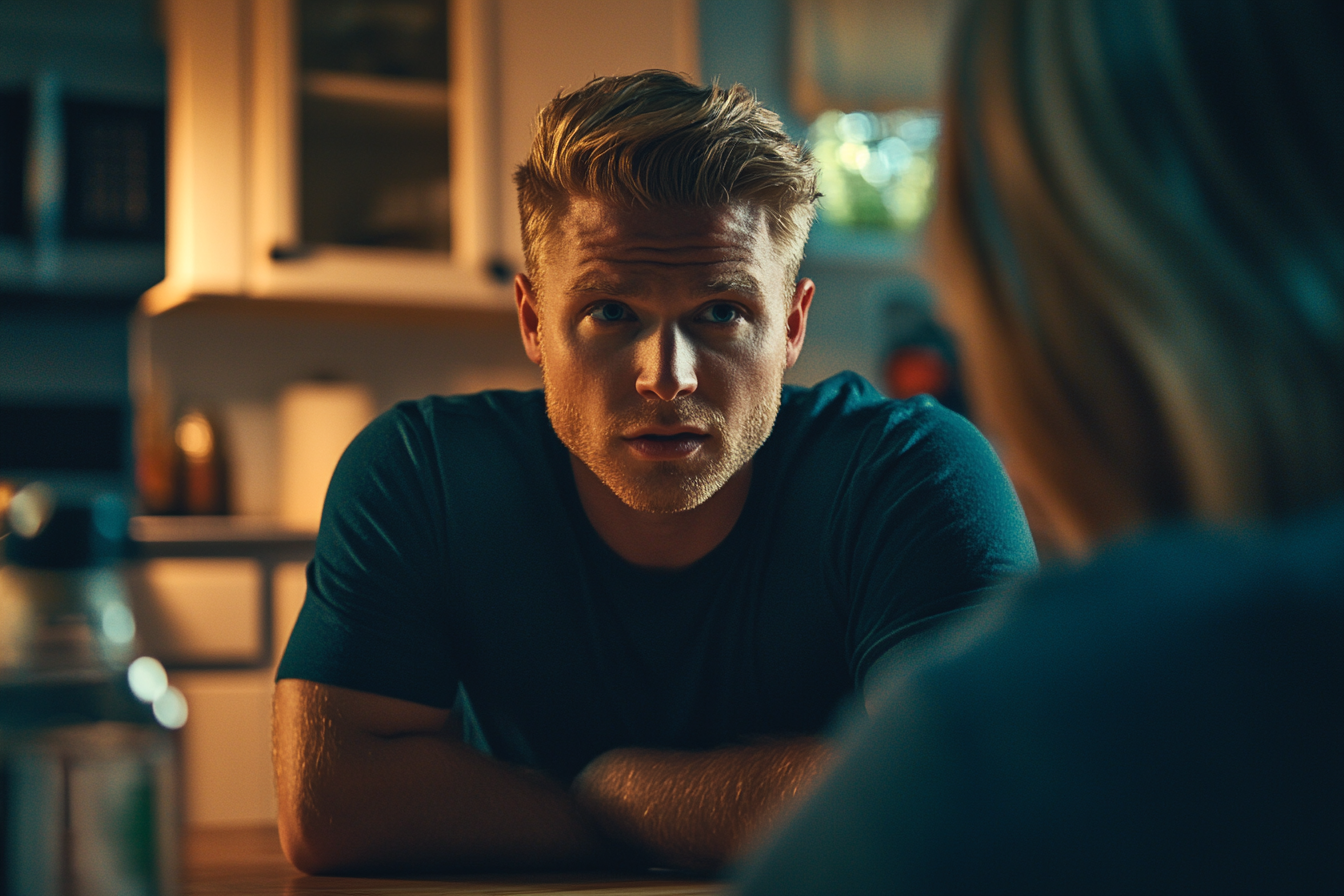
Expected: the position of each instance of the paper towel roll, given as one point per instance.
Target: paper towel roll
(317, 422)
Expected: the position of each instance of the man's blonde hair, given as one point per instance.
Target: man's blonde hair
(655, 139)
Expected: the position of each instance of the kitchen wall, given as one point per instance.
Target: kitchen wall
(235, 358)
(59, 352)
(237, 361)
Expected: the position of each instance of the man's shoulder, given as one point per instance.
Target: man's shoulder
(465, 463)
(440, 422)
(843, 438)
(497, 407)
(444, 436)
(845, 411)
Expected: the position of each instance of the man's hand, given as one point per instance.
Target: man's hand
(695, 809)
(367, 782)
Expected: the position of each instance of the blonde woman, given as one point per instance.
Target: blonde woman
(1140, 241)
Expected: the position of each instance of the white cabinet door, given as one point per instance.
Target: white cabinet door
(241, 105)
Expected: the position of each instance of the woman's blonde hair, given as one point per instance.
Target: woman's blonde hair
(655, 139)
(1152, 197)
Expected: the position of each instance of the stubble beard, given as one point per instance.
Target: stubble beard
(668, 486)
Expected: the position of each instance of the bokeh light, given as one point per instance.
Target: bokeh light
(170, 709)
(147, 678)
(877, 170)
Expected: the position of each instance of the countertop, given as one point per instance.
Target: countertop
(234, 861)
(219, 536)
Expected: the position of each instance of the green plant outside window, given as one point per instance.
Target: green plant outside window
(877, 170)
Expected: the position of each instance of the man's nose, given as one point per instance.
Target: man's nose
(666, 364)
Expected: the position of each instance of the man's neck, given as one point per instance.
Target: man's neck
(661, 540)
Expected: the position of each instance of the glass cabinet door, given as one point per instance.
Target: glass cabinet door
(373, 125)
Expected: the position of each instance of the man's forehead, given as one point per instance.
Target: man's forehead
(595, 230)
(617, 281)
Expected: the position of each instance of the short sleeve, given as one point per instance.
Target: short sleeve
(374, 618)
(929, 525)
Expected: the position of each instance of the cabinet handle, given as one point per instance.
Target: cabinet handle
(500, 270)
(291, 252)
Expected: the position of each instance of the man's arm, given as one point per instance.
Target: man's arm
(367, 782)
(695, 809)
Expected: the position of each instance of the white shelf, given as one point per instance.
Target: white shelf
(430, 97)
(163, 529)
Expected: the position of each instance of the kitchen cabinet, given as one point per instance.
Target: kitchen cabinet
(307, 162)
(226, 743)
(215, 598)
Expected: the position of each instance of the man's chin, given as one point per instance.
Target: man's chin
(665, 492)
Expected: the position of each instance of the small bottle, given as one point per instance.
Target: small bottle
(204, 486)
(90, 771)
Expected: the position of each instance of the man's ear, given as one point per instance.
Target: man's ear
(528, 320)
(795, 326)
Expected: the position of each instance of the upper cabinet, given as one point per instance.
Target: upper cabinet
(362, 150)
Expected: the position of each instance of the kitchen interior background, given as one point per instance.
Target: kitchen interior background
(235, 334)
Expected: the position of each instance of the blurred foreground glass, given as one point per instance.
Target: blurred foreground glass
(877, 169)
(88, 762)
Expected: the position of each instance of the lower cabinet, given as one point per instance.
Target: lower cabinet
(226, 743)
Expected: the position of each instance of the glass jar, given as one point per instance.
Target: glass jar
(89, 758)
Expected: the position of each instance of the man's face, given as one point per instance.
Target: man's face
(663, 337)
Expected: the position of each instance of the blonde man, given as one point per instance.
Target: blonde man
(605, 622)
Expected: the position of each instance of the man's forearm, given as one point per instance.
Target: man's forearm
(695, 809)
(421, 801)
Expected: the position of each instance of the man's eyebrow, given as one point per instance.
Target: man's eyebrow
(739, 282)
(601, 283)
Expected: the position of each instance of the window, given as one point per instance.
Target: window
(877, 170)
(867, 72)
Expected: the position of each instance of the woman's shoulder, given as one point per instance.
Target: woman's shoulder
(1190, 565)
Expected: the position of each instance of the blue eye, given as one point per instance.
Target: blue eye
(609, 312)
(722, 313)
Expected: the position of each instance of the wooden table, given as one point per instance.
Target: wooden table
(236, 861)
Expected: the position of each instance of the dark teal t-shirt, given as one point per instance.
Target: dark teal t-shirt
(454, 555)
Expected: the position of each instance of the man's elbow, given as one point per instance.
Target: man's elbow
(315, 845)
(305, 848)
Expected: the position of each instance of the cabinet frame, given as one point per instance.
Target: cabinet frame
(233, 169)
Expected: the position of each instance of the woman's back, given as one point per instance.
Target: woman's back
(1165, 719)
(1140, 243)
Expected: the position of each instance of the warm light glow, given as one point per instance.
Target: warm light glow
(195, 437)
(30, 509)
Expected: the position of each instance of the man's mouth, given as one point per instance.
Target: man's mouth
(666, 446)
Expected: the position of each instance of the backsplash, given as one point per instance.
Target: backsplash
(235, 361)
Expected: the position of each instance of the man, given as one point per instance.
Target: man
(606, 623)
